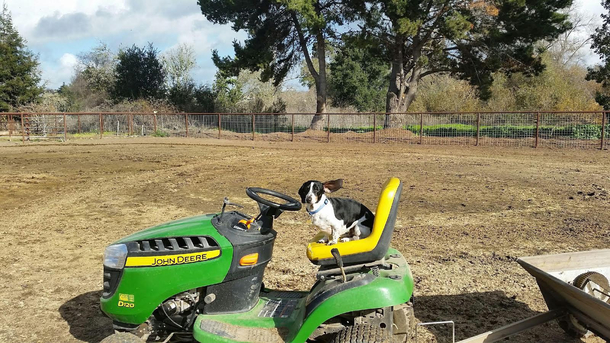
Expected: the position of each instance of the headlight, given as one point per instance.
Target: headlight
(115, 256)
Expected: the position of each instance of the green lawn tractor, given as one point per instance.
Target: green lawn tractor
(200, 279)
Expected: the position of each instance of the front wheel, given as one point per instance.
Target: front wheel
(363, 333)
(122, 337)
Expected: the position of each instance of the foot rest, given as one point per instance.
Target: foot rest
(242, 334)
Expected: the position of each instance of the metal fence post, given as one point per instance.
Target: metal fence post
(155, 122)
(328, 126)
(478, 128)
(22, 130)
(101, 126)
(78, 123)
(292, 138)
(65, 128)
(253, 125)
(9, 126)
(374, 128)
(537, 129)
(421, 128)
(186, 124)
(219, 126)
(603, 129)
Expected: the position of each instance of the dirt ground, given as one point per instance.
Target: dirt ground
(466, 214)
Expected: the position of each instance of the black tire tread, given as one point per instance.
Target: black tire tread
(363, 334)
(122, 337)
(581, 280)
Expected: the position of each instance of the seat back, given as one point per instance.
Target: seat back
(371, 248)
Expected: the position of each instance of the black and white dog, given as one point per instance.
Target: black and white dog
(338, 218)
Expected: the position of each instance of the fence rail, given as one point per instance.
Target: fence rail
(535, 129)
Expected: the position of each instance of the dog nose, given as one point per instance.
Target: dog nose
(308, 199)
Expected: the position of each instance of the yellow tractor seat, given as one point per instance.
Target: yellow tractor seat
(368, 249)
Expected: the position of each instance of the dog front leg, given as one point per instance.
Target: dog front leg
(335, 237)
(324, 238)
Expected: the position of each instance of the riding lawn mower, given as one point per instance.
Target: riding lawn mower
(201, 279)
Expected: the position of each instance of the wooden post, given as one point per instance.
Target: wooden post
(253, 125)
(186, 123)
(421, 128)
(328, 126)
(478, 128)
(603, 129)
(219, 126)
(65, 128)
(22, 130)
(78, 123)
(155, 122)
(537, 129)
(374, 128)
(292, 139)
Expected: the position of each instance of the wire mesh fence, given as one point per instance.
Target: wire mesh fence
(519, 129)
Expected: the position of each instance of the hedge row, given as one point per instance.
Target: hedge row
(583, 131)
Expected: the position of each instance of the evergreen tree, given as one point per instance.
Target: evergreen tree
(19, 73)
(280, 35)
(139, 74)
(467, 39)
(601, 46)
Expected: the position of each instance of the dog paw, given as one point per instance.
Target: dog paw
(333, 242)
(322, 240)
(345, 239)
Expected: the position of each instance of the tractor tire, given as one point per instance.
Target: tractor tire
(363, 334)
(570, 324)
(122, 337)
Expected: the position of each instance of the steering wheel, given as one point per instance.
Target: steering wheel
(290, 205)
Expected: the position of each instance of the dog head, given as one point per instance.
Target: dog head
(312, 191)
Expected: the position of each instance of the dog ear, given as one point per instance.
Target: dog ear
(333, 186)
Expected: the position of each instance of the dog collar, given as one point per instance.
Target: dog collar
(319, 208)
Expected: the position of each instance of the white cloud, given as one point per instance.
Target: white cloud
(57, 72)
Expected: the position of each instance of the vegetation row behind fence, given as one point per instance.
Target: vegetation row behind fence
(563, 129)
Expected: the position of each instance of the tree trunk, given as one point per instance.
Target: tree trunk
(396, 88)
(317, 123)
(402, 89)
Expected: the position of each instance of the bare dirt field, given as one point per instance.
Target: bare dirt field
(466, 214)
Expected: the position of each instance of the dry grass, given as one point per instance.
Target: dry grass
(466, 214)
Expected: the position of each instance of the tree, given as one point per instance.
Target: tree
(601, 46)
(468, 39)
(568, 47)
(139, 74)
(280, 34)
(178, 64)
(19, 73)
(97, 68)
(358, 79)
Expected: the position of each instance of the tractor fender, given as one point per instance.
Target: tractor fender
(381, 291)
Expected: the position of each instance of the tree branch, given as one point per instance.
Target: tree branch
(304, 47)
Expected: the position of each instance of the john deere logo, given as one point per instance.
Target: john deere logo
(170, 260)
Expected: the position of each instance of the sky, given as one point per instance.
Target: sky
(58, 31)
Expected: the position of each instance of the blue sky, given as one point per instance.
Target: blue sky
(59, 30)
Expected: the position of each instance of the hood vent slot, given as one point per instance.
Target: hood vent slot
(176, 244)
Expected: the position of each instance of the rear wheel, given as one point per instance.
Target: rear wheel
(122, 337)
(363, 333)
(591, 283)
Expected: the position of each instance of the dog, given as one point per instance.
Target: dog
(337, 218)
